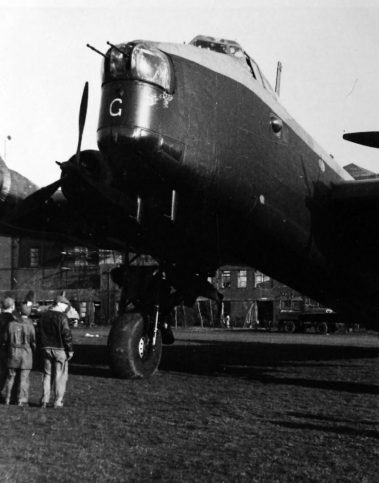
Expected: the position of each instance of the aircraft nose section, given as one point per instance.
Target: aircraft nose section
(148, 143)
(135, 114)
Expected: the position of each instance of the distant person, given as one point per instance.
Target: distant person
(73, 317)
(6, 316)
(55, 343)
(90, 315)
(20, 342)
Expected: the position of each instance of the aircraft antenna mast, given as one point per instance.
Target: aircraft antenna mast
(278, 78)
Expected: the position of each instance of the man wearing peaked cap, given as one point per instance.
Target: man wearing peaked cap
(6, 317)
(61, 299)
(55, 342)
(21, 342)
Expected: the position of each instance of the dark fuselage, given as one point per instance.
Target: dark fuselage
(247, 193)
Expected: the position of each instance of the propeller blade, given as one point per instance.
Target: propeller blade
(34, 201)
(82, 119)
(367, 138)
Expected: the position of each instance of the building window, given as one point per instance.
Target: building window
(311, 304)
(297, 305)
(140, 260)
(110, 257)
(260, 279)
(242, 279)
(80, 256)
(285, 304)
(34, 257)
(225, 279)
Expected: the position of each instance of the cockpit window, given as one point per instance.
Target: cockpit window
(237, 52)
(222, 46)
(204, 44)
(230, 47)
(254, 69)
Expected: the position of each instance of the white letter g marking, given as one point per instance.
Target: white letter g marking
(112, 111)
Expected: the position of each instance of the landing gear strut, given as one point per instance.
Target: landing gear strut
(132, 352)
(147, 299)
(135, 340)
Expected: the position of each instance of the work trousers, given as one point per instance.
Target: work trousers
(23, 388)
(3, 369)
(55, 375)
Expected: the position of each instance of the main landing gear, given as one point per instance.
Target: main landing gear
(136, 337)
(148, 297)
(135, 350)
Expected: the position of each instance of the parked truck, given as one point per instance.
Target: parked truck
(321, 320)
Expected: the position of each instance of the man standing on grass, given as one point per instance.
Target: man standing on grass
(55, 343)
(5, 318)
(21, 342)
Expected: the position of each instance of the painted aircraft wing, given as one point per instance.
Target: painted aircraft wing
(353, 215)
(357, 192)
(366, 138)
(87, 212)
(51, 218)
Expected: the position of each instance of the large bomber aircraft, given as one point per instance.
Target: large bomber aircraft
(200, 166)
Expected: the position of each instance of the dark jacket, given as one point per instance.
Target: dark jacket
(54, 331)
(5, 319)
(21, 341)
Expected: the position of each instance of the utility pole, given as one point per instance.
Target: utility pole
(14, 264)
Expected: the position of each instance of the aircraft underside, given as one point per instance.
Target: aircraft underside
(151, 220)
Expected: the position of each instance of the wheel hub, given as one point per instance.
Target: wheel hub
(142, 347)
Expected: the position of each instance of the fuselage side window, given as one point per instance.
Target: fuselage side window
(254, 69)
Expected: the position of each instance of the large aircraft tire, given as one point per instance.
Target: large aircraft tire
(131, 354)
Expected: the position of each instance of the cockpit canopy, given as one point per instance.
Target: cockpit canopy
(232, 48)
(222, 46)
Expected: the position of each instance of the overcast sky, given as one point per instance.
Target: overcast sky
(329, 52)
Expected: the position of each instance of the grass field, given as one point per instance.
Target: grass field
(225, 406)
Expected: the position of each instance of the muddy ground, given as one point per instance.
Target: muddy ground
(225, 406)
